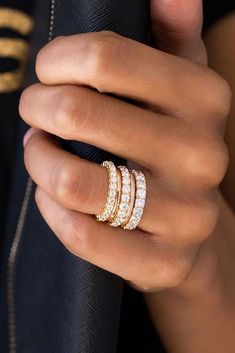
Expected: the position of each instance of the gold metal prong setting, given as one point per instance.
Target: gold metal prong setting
(140, 200)
(126, 197)
(112, 193)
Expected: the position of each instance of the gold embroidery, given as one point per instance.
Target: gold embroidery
(15, 20)
(11, 81)
(16, 49)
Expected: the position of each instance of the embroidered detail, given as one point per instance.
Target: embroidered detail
(16, 20)
(17, 49)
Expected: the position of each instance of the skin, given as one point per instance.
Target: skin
(177, 254)
(205, 305)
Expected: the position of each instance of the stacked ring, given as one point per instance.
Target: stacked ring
(112, 194)
(126, 197)
(140, 199)
(118, 197)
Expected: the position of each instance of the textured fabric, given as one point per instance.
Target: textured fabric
(63, 304)
(9, 102)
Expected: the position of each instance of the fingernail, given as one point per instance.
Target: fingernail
(28, 135)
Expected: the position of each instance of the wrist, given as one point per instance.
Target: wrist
(211, 275)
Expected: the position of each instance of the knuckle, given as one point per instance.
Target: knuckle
(26, 98)
(102, 53)
(41, 65)
(175, 272)
(44, 59)
(71, 187)
(71, 234)
(23, 102)
(79, 236)
(197, 222)
(65, 183)
(194, 167)
(65, 118)
(167, 269)
(205, 162)
(218, 97)
(221, 162)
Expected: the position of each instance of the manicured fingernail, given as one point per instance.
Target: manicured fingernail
(28, 135)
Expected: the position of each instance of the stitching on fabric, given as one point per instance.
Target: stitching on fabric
(52, 20)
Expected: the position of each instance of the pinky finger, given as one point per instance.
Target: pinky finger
(128, 254)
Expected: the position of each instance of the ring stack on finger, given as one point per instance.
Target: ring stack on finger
(126, 197)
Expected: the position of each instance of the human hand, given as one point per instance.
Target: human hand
(175, 137)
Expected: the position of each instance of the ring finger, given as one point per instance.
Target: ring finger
(82, 186)
(74, 182)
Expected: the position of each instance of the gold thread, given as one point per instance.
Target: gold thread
(11, 81)
(17, 49)
(118, 197)
(16, 20)
(132, 200)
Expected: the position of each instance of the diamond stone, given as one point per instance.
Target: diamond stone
(126, 189)
(124, 207)
(113, 186)
(125, 198)
(141, 194)
(139, 201)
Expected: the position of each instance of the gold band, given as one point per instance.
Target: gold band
(126, 197)
(132, 201)
(118, 197)
(140, 200)
(112, 193)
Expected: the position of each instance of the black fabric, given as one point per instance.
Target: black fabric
(9, 119)
(63, 304)
(8, 111)
(126, 18)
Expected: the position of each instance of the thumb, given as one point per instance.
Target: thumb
(177, 28)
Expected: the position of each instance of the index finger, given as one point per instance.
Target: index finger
(113, 64)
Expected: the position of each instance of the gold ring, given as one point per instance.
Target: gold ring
(112, 193)
(140, 200)
(118, 197)
(126, 197)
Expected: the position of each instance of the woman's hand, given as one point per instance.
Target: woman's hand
(175, 136)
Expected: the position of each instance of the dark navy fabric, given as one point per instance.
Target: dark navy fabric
(63, 304)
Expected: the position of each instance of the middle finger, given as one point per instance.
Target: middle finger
(73, 182)
(78, 113)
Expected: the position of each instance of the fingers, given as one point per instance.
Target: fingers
(74, 182)
(177, 28)
(132, 255)
(172, 209)
(99, 60)
(77, 113)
